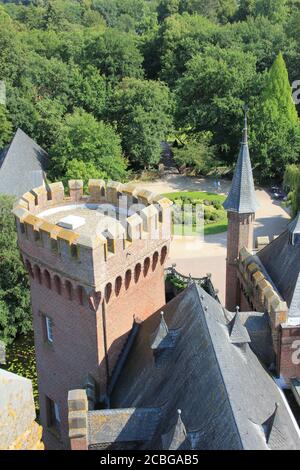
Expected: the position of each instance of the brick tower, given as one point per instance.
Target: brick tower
(241, 205)
(95, 262)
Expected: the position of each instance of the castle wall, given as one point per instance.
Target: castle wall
(67, 360)
(140, 300)
(90, 286)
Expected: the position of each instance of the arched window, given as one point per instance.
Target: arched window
(146, 266)
(137, 272)
(29, 268)
(154, 260)
(69, 290)
(163, 254)
(108, 290)
(37, 273)
(102, 191)
(118, 285)
(47, 279)
(127, 279)
(57, 284)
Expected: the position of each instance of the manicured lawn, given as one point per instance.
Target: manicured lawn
(201, 195)
(211, 227)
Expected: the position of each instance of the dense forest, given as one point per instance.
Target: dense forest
(100, 83)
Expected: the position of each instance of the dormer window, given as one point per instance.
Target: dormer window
(296, 238)
(163, 341)
(294, 229)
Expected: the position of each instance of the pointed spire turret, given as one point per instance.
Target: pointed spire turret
(241, 197)
(245, 130)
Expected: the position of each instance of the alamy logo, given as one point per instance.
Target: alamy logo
(296, 93)
(296, 353)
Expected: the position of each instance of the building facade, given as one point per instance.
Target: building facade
(96, 265)
(265, 279)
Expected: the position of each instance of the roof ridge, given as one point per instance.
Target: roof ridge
(219, 367)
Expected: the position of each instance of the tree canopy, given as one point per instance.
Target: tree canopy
(15, 313)
(276, 129)
(143, 112)
(84, 139)
(146, 68)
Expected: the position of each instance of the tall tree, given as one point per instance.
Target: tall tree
(143, 111)
(85, 139)
(115, 54)
(211, 93)
(276, 128)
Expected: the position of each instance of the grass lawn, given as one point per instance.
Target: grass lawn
(210, 227)
(201, 195)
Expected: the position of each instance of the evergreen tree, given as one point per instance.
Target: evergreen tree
(277, 96)
(276, 129)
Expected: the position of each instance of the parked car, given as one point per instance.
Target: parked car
(278, 193)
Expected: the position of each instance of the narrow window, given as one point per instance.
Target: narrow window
(74, 251)
(111, 245)
(49, 330)
(54, 245)
(37, 236)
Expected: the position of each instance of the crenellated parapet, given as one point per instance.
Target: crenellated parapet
(108, 231)
(263, 293)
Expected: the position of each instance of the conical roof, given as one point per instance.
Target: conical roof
(242, 198)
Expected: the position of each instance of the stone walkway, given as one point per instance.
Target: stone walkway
(197, 257)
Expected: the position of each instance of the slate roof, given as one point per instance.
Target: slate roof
(281, 260)
(22, 165)
(242, 197)
(125, 425)
(224, 392)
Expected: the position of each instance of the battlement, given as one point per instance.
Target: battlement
(80, 234)
(264, 293)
